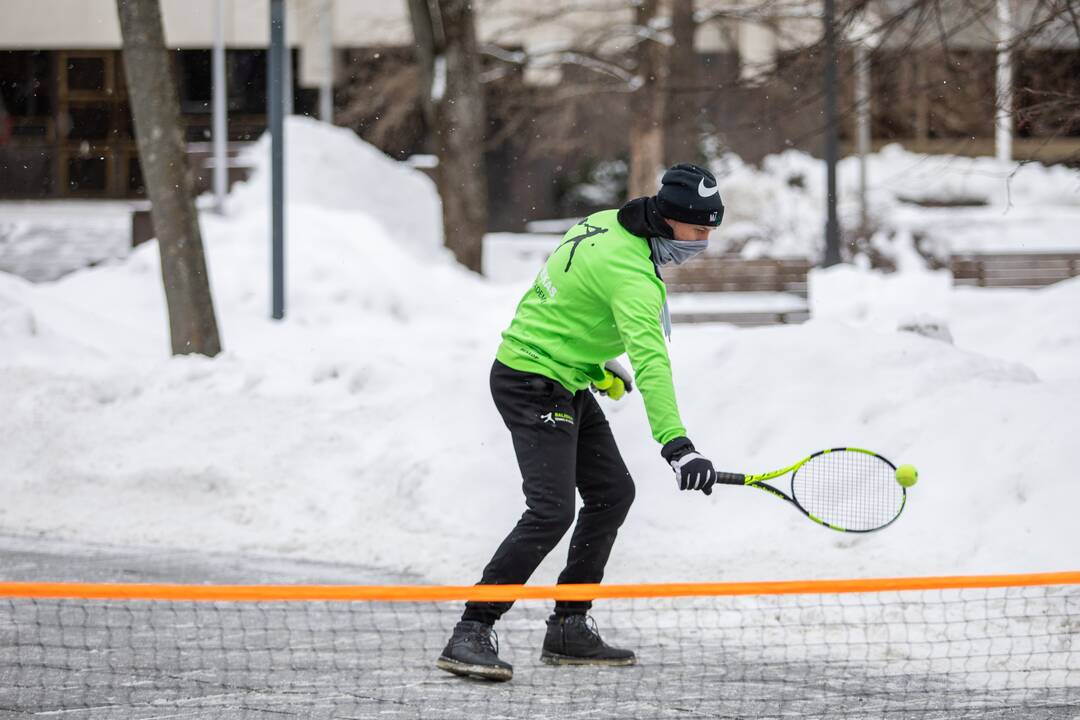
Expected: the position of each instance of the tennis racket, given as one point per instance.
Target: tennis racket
(845, 489)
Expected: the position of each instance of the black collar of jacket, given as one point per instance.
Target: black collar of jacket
(640, 217)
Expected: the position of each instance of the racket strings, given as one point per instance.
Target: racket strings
(848, 489)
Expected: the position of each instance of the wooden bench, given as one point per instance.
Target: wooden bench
(1019, 270)
(731, 273)
(742, 319)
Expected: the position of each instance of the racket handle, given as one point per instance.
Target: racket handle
(726, 478)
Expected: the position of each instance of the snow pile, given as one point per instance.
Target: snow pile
(329, 167)
(45, 240)
(1040, 328)
(954, 179)
(861, 297)
(778, 210)
(361, 429)
(1037, 328)
(767, 212)
(515, 257)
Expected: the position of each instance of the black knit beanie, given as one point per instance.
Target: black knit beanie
(688, 193)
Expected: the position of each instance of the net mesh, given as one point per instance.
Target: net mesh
(849, 489)
(985, 653)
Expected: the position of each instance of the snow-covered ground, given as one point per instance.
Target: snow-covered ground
(360, 429)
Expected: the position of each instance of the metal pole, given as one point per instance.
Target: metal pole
(287, 78)
(832, 228)
(1003, 116)
(220, 110)
(326, 87)
(862, 130)
(277, 146)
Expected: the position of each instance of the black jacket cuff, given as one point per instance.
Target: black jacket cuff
(675, 449)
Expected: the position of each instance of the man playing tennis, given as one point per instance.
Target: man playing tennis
(598, 295)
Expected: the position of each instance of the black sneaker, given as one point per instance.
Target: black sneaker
(574, 640)
(470, 653)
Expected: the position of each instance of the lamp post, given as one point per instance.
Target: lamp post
(832, 227)
(220, 110)
(275, 93)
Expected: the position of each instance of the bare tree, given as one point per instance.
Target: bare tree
(682, 107)
(933, 82)
(453, 103)
(156, 113)
(647, 122)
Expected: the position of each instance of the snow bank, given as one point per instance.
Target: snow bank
(848, 294)
(515, 257)
(1038, 328)
(44, 240)
(330, 167)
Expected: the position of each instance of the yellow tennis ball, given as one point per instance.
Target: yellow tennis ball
(907, 475)
(604, 384)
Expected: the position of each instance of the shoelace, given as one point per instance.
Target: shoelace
(589, 624)
(484, 639)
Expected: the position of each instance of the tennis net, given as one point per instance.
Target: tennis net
(986, 647)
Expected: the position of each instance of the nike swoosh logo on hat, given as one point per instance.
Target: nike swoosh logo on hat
(707, 191)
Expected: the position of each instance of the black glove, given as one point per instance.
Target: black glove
(692, 471)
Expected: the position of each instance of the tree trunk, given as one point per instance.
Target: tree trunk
(647, 123)
(427, 36)
(445, 35)
(155, 111)
(683, 90)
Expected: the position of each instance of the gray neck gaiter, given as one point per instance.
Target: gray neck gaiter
(667, 251)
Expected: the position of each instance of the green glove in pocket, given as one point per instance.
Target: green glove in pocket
(612, 385)
(617, 381)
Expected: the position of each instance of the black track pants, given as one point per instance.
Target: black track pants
(563, 444)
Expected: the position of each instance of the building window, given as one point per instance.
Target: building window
(89, 122)
(26, 83)
(87, 175)
(194, 77)
(87, 74)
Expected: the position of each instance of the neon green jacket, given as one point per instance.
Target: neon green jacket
(597, 296)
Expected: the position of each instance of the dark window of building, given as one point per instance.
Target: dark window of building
(123, 129)
(89, 122)
(1045, 83)
(246, 70)
(247, 82)
(25, 172)
(87, 175)
(195, 80)
(87, 74)
(26, 83)
(135, 184)
(31, 131)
